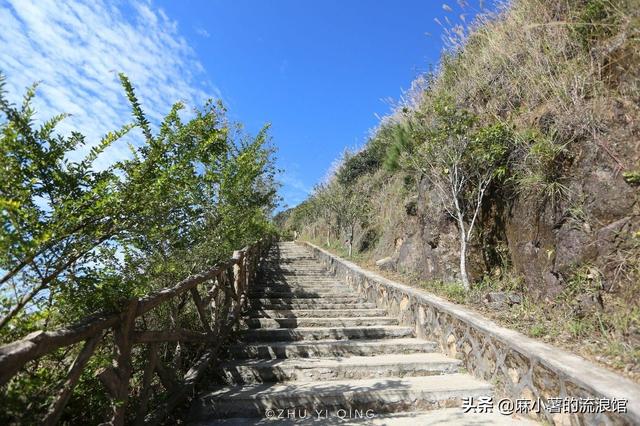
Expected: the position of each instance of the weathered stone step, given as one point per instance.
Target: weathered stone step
(386, 395)
(314, 287)
(301, 281)
(321, 333)
(317, 313)
(299, 294)
(442, 417)
(272, 266)
(301, 286)
(356, 367)
(308, 300)
(318, 322)
(309, 304)
(291, 303)
(330, 348)
(306, 272)
(305, 282)
(296, 275)
(308, 268)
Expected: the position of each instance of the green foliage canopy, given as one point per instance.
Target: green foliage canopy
(75, 239)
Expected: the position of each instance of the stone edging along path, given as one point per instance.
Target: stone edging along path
(523, 368)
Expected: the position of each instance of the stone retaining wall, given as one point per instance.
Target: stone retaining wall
(520, 367)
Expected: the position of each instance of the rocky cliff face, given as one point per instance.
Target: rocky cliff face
(596, 223)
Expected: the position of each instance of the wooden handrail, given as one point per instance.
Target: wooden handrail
(233, 277)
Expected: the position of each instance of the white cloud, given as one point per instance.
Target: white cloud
(76, 48)
(203, 33)
(294, 190)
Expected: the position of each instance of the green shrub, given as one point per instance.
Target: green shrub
(632, 178)
(541, 170)
(367, 161)
(537, 330)
(401, 141)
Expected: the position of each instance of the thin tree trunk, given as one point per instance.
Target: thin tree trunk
(463, 248)
(463, 262)
(351, 241)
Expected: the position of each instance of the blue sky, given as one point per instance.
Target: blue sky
(318, 71)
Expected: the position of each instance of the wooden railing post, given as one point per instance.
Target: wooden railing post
(146, 383)
(238, 255)
(213, 302)
(246, 276)
(55, 410)
(200, 309)
(116, 378)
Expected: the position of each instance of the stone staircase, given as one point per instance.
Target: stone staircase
(313, 348)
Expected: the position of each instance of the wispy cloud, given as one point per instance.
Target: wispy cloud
(76, 48)
(202, 32)
(294, 190)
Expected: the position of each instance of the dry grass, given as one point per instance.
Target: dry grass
(390, 216)
(533, 66)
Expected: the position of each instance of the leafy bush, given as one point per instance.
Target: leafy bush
(368, 160)
(402, 141)
(541, 171)
(76, 241)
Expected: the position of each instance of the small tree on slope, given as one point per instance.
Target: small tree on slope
(460, 161)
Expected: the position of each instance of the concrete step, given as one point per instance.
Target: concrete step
(331, 348)
(313, 344)
(307, 300)
(322, 333)
(355, 367)
(318, 322)
(443, 417)
(318, 313)
(382, 395)
(300, 286)
(301, 294)
(302, 267)
(309, 304)
(320, 278)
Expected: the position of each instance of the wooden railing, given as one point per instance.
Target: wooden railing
(218, 310)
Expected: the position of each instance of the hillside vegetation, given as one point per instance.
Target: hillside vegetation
(514, 169)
